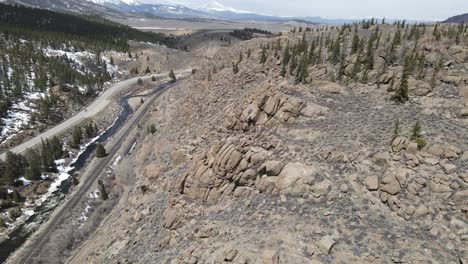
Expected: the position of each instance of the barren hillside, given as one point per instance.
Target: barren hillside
(354, 149)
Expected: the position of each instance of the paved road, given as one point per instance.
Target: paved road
(37, 242)
(98, 105)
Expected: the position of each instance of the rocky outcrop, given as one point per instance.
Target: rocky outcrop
(262, 110)
(233, 169)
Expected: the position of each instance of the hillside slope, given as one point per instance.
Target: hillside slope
(458, 19)
(324, 146)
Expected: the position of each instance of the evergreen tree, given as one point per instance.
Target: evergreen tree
(172, 76)
(283, 70)
(57, 148)
(335, 57)
(152, 129)
(33, 169)
(263, 56)
(14, 167)
(90, 130)
(355, 44)
(102, 190)
(100, 151)
(235, 68)
(401, 95)
(77, 136)
(417, 135)
(47, 155)
(286, 55)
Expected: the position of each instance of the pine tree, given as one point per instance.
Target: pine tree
(90, 131)
(286, 55)
(263, 55)
(33, 169)
(48, 160)
(401, 95)
(102, 190)
(172, 76)
(77, 136)
(152, 129)
(100, 151)
(355, 44)
(57, 149)
(235, 68)
(14, 167)
(336, 51)
(417, 135)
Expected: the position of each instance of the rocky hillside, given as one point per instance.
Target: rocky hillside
(256, 162)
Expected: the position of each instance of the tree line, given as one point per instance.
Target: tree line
(352, 50)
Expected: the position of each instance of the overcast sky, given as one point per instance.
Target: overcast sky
(409, 9)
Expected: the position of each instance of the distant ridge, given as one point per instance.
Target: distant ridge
(458, 19)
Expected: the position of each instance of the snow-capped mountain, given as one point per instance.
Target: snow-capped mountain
(218, 7)
(179, 9)
(115, 2)
(175, 8)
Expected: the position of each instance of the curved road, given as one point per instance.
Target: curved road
(98, 105)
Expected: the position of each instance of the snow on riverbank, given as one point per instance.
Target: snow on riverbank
(64, 169)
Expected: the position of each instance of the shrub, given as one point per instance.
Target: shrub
(140, 81)
(421, 143)
(14, 213)
(151, 129)
(172, 76)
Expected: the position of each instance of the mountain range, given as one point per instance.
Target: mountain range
(458, 19)
(178, 9)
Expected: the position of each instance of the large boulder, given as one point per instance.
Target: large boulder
(295, 178)
(390, 184)
(331, 87)
(273, 167)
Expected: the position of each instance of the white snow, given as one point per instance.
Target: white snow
(78, 57)
(24, 181)
(217, 6)
(19, 116)
(132, 148)
(116, 161)
(115, 2)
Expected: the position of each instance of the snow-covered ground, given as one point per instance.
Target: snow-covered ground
(19, 116)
